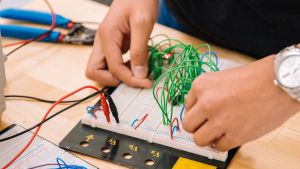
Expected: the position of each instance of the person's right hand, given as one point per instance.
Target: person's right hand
(127, 25)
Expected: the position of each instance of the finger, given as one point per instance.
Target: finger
(190, 100)
(207, 134)
(140, 33)
(97, 68)
(194, 119)
(111, 47)
(223, 143)
(104, 78)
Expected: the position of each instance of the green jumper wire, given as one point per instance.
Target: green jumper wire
(174, 67)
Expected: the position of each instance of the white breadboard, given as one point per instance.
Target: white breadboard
(134, 103)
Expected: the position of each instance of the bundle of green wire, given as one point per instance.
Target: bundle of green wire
(174, 65)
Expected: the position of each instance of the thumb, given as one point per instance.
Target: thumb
(140, 34)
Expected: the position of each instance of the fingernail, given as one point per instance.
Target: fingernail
(140, 71)
(185, 97)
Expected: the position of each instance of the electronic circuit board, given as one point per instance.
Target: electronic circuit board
(141, 145)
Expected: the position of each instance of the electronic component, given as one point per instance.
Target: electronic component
(147, 146)
(134, 104)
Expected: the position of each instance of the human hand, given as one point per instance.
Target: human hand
(229, 108)
(127, 25)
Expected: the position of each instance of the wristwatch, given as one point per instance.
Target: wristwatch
(287, 71)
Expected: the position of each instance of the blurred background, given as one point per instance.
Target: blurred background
(18, 3)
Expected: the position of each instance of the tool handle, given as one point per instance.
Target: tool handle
(34, 16)
(23, 32)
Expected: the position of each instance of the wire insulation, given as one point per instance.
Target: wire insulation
(10, 97)
(172, 127)
(141, 121)
(61, 164)
(40, 37)
(174, 65)
(44, 118)
(50, 117)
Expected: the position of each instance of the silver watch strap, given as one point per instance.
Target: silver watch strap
(294, 93)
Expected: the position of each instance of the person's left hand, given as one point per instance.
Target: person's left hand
(229, 108)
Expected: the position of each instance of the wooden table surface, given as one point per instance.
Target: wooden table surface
(51, 70)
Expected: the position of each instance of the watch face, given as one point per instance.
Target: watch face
(288, 73)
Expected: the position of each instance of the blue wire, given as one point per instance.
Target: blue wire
(181, 113)
(134, 121)
(90, 110)
(58, 160)
(63, 165)
(173, 129)
(212, 53)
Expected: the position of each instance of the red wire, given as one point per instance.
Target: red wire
(171, 126)
(45, 116)
(43, 35)
(104, 106)
(142, 120)
(159, 88)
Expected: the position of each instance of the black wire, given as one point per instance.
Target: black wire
(46, 100)
(39, 99)
(50, 117)
(113, 107)
(32, 40)
(48, 31)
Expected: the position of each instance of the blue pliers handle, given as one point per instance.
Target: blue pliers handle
(34, 17)
(24, 32)
(77, 34)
